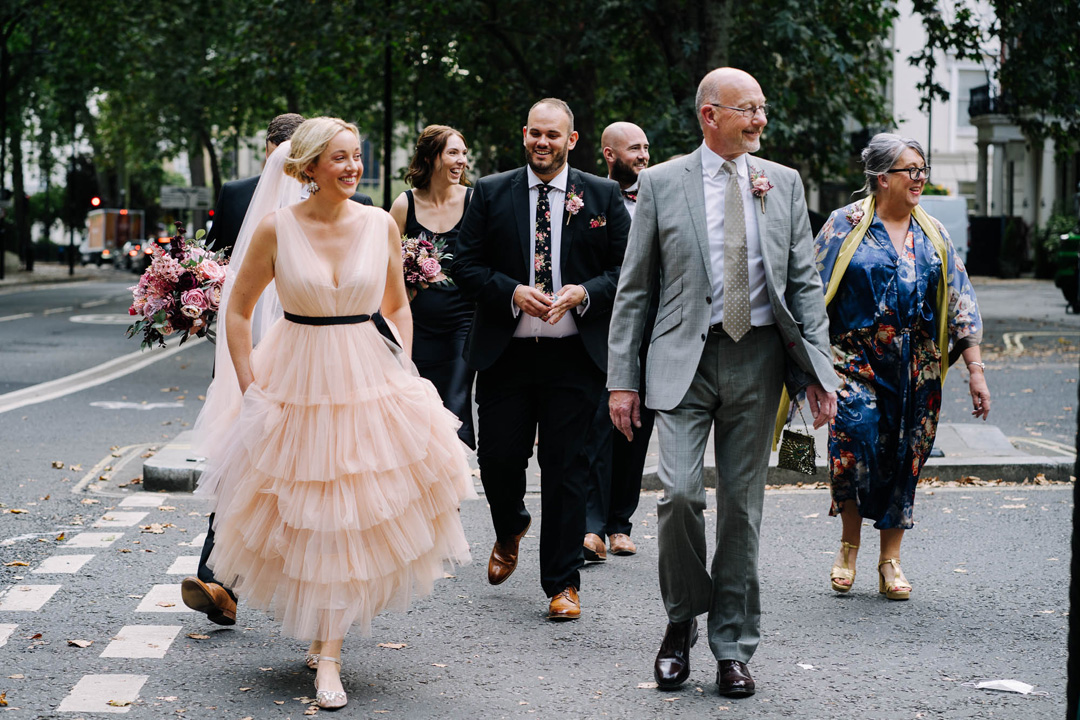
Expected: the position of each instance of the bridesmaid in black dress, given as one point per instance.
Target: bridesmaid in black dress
(441, 316)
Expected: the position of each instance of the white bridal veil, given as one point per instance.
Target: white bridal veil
(275, 190)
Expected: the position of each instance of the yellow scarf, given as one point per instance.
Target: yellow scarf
(843, 259)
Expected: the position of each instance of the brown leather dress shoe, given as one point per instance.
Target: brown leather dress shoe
(209, 598)
(621, 544)
(565, 605)
(594, 548)
(504, 556)
(733, 679)
(672, 665)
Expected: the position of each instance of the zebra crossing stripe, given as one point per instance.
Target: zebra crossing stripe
(93, 540)
(62, 564)
(26, 598)
(184, 565)
(120, 519)
(145, 500)
(103, 694)
(142, 641)
(197, 542)
(163, 599)
(5, 632)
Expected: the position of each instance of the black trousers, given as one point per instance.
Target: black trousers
(615, 469)
(205, 573)
(553, 385)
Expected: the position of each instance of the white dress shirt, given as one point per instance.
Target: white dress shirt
(716, 180)
(529, 326)
(629, 204)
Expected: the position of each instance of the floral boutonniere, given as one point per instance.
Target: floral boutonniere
(759, 185)
(574, 203)
(598, 221)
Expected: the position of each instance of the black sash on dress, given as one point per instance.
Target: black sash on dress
(380, 322)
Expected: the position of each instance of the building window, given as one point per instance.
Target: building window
(965, 81)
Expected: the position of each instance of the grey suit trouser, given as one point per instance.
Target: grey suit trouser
(736, 390)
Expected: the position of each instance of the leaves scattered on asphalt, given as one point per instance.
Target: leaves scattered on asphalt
(119, 703)
(647, 686)
(165, 603)
(198, 636)
(58, 464)
(80, 643)
(393, 646)
(17, 563)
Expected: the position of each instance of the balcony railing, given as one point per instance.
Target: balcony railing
(985, 102)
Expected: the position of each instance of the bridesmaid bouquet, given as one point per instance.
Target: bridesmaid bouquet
(422, 261)
(179, 292)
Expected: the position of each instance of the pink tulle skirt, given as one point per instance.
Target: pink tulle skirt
(339, 483)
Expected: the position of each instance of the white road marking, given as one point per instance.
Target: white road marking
(1046, 444)
(53, 311)
(168, 595)
(142, 641)
(5, 632)
(93, 693)
(62, 564)
(26, 598)
(120, 519)
(91, 377)
(103, 319)
(93, 540)
(197, 541)
(1014, 343)
(145, 500)
(20, 316)
(122, 405)
(184, 565)
(94, 303)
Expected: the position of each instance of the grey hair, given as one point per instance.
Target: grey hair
(880, 155)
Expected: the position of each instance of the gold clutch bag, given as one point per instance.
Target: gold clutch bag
(797, 450)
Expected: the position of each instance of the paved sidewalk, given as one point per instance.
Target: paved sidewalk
(49, 273)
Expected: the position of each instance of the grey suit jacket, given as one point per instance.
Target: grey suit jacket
(669, 236)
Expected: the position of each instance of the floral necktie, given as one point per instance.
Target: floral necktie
(542, 257)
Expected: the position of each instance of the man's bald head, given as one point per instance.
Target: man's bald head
(626, 152)
(731, 111)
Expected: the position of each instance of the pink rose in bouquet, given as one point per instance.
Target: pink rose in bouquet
(424, 260)
(430, 267)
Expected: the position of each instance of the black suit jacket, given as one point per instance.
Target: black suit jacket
(494, 255)
(231, 207)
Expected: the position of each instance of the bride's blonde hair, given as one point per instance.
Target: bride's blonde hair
(309, 141)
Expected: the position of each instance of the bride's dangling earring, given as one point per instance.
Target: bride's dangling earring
(312, 187)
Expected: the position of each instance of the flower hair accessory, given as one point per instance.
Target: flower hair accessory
(759, 185)
(574, 203)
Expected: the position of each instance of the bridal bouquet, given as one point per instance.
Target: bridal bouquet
(422, 261)
(179, 292)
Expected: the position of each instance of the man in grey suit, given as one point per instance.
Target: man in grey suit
(741, 313)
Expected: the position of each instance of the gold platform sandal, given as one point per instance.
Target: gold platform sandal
(843, 572)
(330, 699)
(900, 588)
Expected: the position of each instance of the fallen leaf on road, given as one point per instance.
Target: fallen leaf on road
(89, 501)
(81, 643)
(438, 664)
(166, 507)
(279, 702)
(17, 563)
(156, 528)
(17, 676)
(163, 603)
(960, 570)
(61, 537)
(311, 710)
(119, 703)
(647, 686)
(393, 646)
(124, 550)
(3, 699)
(1021, 506)
(244, 689)
(811, 515)
(198, 636)
(35, 636)
(805, 666)
(266, 669)
(75, 468)
(17, 511)
(58, 464)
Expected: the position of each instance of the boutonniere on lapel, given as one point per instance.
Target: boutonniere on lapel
(574, 203)
(598, 221)
(855, 215)
(759, 185)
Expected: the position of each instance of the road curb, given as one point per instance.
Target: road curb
(174, 468)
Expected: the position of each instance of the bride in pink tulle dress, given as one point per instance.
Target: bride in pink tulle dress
(339, 478)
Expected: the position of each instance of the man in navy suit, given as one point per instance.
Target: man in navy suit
(539, 253)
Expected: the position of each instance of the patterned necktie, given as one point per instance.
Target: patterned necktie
(630, 195)
(542, 256)
(736, 320)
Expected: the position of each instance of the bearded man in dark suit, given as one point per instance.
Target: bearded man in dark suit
(539, 253)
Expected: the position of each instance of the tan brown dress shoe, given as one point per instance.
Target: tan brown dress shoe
(209, 598)
(594, 548)
(504, 556)
(621, 544)
(565, 605)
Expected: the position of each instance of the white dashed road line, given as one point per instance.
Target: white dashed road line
(142, 641)
(93, 540)
(145, 500)
(53, 311)
(120, 519)
(5, 632)
(62, 564)
(26, 598)
(20, 316)
(95, 303)
(196, 542)
(184, 565)
(163, 599)
(103, 694)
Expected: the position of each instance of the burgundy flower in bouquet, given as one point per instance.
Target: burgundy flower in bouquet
(179, 292)
(424, 260)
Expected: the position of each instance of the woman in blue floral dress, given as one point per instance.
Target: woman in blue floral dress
(895, 326)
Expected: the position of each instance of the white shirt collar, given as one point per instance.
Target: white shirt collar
(712, 164)
(558, 182)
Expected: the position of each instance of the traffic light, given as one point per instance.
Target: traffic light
(210, 213)
(95, 201)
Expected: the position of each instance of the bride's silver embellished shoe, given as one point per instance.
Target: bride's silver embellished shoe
(330, 699)
(312, 661)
